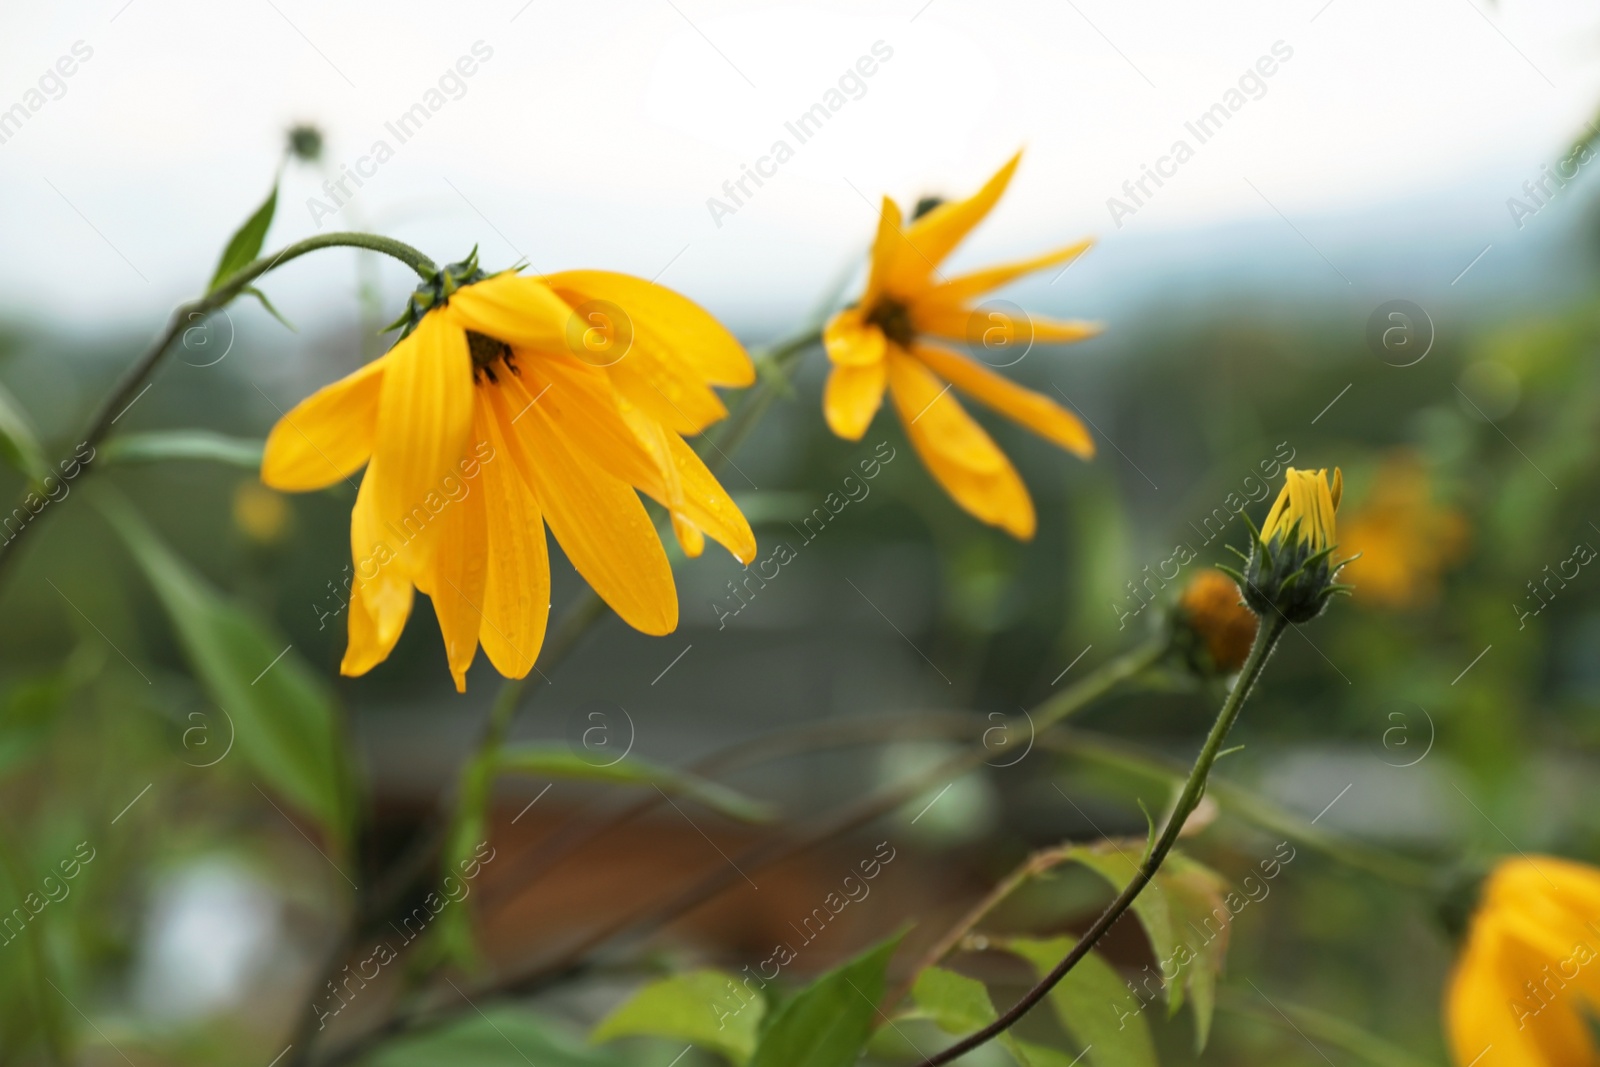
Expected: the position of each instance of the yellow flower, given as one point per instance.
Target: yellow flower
(492, 418)
(1303, 512)
(1215, 622)
(262, 514)
(1404, 540)
(881, 343)
(1290, 572)
(1527, 983)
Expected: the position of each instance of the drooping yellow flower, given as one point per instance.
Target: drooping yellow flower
(493, 418)
(882, 342)
(1405, 540)
(1527, 982)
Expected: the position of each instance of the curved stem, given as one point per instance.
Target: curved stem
(641, 922)
(128, 388)
(1266, 640)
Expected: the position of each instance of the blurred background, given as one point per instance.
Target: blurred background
(1383, 260)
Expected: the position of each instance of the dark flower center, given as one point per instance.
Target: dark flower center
(894, 319)
(486, 352)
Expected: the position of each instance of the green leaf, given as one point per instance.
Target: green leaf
(274, 312)
(554, 761)
(495, 1037)
(19, 445)
(184, 444)
(961, 1005)
(245, 245)
(828, 1022)
(1117, 865)
(707, 1008)
(283, 715)
(1195, 895)
(1093, 1005)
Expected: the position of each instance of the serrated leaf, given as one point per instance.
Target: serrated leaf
(495, 1037)
(708, 1008)
(828, 1023)
(1196, 898)
(245, 244)
(554, 761)
(1093, 1005)
(19, 445)
(162, 445)
(283, 716)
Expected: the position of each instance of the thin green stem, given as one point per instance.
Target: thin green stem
(132, 381)
(1266, 640)
(640, 923)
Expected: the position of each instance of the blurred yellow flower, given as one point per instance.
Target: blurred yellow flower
(259, 513)
(1405, 540)
(1212, 609)
(1527, 982)
(880, 343)
(1303, 513)
(512, 403)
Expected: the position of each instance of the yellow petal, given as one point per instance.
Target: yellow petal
(1034, 410)
(885, 246)
(964, 287)
(697, 501)
(928, 240)
(455, 578)
(381, 594)
(597, 518)
(852, 397)
(851, 342)
(327, 436)
(522, 312)
(664, 321)
(976, 326)
(956, 450)
(666, 388)
(424, 417)
(580, 400)
(516, 602)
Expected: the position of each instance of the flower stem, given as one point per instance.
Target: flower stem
(1266, 640)
(128, 388)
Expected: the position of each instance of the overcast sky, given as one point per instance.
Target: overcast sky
(594, 134)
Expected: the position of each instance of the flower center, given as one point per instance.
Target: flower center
(486, 352)
(894, 319)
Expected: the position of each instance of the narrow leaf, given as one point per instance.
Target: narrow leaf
(1201, 918)
(282, 715)
(827, 1024)
(1093, 1005)
(553, 761)
(274, 312)
(19, 445)
(1117, 865)
(184, 444)
(708, 1008)
(245, 245)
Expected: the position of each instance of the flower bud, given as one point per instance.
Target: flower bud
(1289, 571)
(1212, 629)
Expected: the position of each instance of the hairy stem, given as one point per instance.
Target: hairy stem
(1266, 640)
(128, 388)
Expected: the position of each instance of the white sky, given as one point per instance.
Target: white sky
(597, 131)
